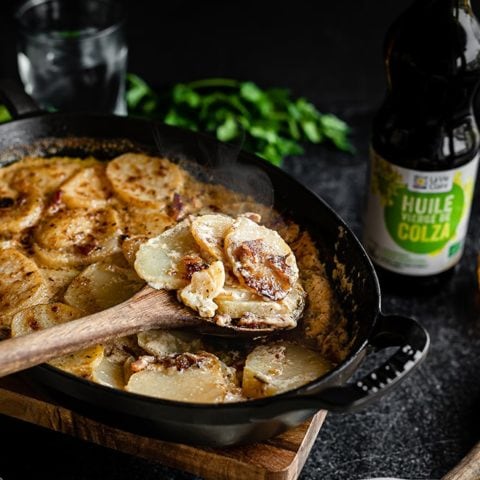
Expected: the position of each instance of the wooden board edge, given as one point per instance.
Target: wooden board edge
(208, 463)
(292, 472)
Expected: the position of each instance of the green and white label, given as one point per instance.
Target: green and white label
(416, 221)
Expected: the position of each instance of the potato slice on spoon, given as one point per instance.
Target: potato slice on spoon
(200, 259)
(261, 259)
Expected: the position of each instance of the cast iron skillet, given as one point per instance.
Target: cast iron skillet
(227, 424)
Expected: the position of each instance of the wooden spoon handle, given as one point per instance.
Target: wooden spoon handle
(468, 468)
(149, 308)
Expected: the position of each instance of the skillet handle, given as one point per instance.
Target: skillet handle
(390, 331)
(18, 103)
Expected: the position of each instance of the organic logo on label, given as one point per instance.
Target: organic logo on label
(420, 182)
(424, 222)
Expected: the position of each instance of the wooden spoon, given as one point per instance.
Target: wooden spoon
(149, 308)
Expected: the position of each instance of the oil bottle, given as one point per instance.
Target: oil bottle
(424, 146)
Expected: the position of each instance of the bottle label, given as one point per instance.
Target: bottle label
(416, 221)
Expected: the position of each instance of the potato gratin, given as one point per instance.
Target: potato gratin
(75, 232)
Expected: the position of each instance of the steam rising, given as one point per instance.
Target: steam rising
(218, 163)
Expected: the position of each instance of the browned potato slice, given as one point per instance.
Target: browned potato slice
(19, 210)
(6, 176)
(77, 237)
(187, 377)
(161, 343)
(261, 259)
(42, 316)
(83, 362)
(169, 260)
(47, 174)
(204, 286)
(209, 232)
(145, 221)
(21, 284)
(101, 286)
(144, 181)
(273, 369)
(88, 188)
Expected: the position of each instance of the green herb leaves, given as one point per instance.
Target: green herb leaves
(4, 114)
(270, 123)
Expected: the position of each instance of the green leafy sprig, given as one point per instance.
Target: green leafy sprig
(4, 114)
(269, 122)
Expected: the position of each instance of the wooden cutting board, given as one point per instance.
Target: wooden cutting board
(281, 458)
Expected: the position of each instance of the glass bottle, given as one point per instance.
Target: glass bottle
(424, 146)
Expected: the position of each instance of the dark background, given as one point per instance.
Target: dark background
(330, 52)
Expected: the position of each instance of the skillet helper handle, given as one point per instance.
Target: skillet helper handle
(18, 103)
(468, 468)
(389, 331)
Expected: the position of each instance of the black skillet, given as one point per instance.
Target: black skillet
(34, 132)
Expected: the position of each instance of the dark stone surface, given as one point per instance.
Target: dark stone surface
(332, 55)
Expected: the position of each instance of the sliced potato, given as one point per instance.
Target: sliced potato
(261, 259)
(209, 232)
(118, 259)
(109, 373)
(236, 302)
(169, 260)
(273, 369)
(204, 286)
(101, 286)
(6, 175)
(253, 311)
(81, 363)
(77, 237)
(58, 280)
(20, 210)
(161, 343)
(21, 284)
(42, 316)
(88, 188)
(144, 181)
(294, 302)
(130, 247)
(187, 377)
(145, 221)
(47, 174)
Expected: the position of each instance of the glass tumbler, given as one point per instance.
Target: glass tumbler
(72, 54)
